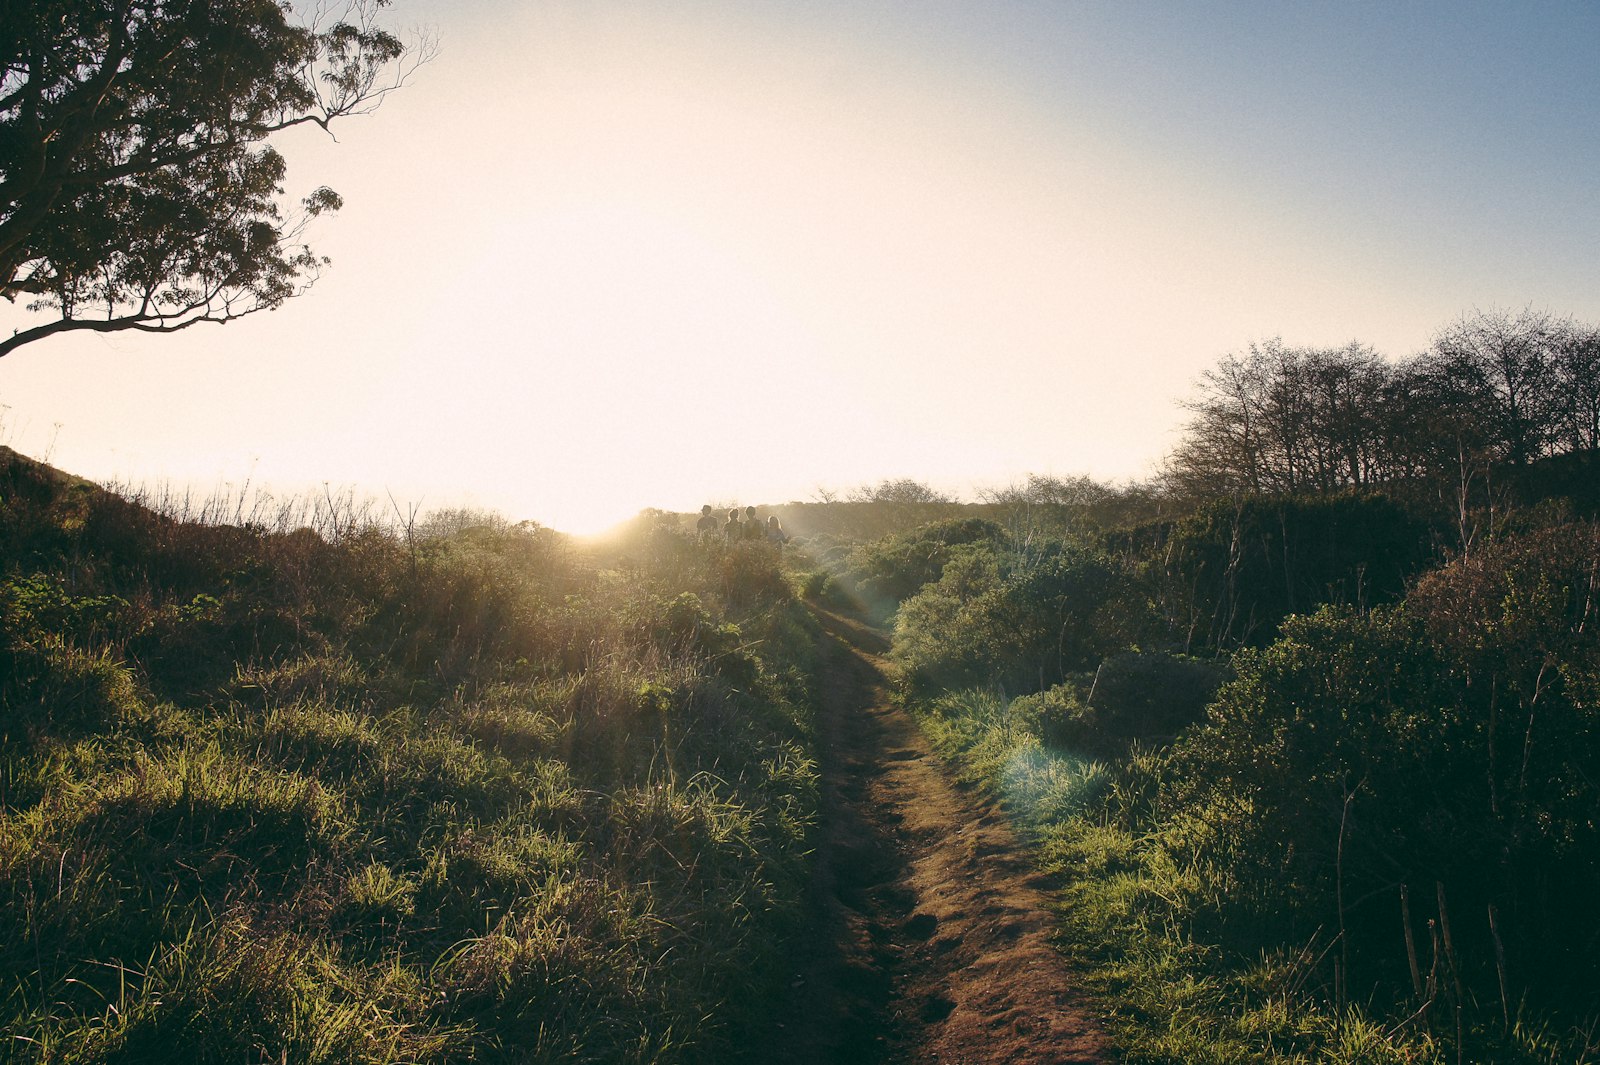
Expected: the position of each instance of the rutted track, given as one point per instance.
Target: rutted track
(930, 930)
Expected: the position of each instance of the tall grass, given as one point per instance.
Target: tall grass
(293, 781)
(1138, 910)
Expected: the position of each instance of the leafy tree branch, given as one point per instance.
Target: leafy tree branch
(137, 187)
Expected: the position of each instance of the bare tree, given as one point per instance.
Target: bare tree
(1577, 386)
(898, 490)
(1510, 360)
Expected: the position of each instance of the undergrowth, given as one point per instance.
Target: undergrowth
(359, 794)
(1370, 839)
(1140, 906)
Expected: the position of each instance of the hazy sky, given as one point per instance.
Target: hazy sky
(602, 256)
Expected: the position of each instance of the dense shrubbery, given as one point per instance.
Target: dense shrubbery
(1229, 572)
(896, 567)
(880, 574)
(1132, 699)
(1018, 620)
(1404, 766)
(471, 794)
(1393, 810)
(1364, 755)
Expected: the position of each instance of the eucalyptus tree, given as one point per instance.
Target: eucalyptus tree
(138, 187)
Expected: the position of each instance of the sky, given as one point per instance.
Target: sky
(604, 256)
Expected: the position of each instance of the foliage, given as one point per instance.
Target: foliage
(1136, 698)
(1374, 842)
(1017, 620)
(1233, 569)
(468, 794)
(1494, 389)
(1068, 507)
(884, 572)
(1364, 755)
(137, 190)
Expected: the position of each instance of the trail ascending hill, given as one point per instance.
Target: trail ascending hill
(931, 934)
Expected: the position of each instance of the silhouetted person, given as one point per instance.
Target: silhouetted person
(753, 529)
(733, 528)
(707, 525)
(775, 531)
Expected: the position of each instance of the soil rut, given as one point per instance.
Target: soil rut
(930, 929)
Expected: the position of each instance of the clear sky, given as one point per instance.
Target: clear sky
(603, 256)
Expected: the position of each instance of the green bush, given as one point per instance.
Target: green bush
(1021, 621)
(1244, 869)
(883, 573)
(1235, 568)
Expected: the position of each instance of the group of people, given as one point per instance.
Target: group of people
(749, 527)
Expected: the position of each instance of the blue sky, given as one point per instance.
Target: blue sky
(602, 256)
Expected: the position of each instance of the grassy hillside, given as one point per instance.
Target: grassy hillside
(346, 795)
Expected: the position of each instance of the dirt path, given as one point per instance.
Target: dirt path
(930, 930)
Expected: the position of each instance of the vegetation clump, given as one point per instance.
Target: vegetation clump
(1377, 832)
(353, 794)
(1314, 749)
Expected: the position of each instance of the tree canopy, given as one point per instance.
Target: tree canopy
(1494, 388)
(137, 187)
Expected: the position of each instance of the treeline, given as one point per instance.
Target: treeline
(1493, 389)
(357, 794)
(1311, 726)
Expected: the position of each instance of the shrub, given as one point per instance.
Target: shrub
(1233, 570)
(1021, 621)
(885, 572)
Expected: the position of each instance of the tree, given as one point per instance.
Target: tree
(1222, 450)
(1493, 389)
(1284, 419)
(137, 187)
(1077, 490)
(1509, 358)
(903, 490)
(1577, 371)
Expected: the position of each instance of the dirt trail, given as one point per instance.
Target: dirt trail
(930, 934)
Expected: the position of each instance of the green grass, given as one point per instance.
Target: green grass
(1140, 911)
(352, 796)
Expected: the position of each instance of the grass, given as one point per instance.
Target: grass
(1140, 911)
(443, 792)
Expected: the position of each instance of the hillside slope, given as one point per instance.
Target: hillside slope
(339, 795)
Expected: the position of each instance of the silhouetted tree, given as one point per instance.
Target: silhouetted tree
(1285, 419)
(1493, 388)
(1508, 361)
(136, 187)
(903, 490)
(1577, 384)
(1078, 490)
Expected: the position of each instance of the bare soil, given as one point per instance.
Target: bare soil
(929, 937)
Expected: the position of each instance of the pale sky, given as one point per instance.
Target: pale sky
(604, 256)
